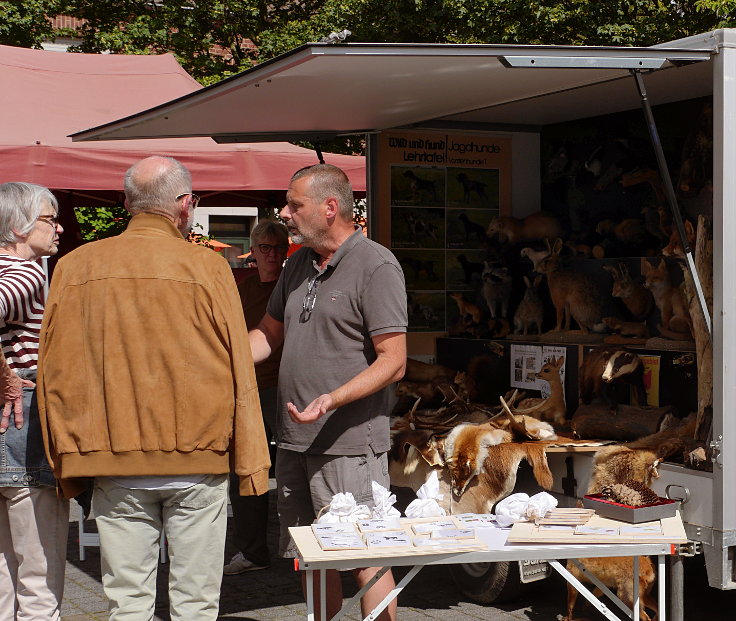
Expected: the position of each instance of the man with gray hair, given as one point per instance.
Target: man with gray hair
(160, 396)
(34, 521)
(339, 308)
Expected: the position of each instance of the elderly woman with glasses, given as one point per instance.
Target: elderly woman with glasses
(269, 243)
(34, 522)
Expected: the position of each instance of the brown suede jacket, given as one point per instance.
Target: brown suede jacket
(145, 366)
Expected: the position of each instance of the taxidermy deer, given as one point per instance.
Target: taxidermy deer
(574, 294)
(519, 230)
(676, 323)
(553, 407)
(637, 298)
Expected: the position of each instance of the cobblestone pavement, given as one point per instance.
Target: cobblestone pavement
(275, 594)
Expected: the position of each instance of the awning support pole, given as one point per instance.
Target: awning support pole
(318, 149)
(670, 194)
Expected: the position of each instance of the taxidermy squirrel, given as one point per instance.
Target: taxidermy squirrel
(676, 323)
(466, 309)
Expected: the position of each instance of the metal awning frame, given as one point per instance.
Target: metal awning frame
(610, 60)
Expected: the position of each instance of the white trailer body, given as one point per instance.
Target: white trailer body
(318, 90)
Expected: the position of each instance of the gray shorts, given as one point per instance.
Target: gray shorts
(306, 483)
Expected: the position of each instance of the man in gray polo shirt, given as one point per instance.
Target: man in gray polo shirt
(339, 308)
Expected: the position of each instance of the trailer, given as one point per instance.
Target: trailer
(484, 108)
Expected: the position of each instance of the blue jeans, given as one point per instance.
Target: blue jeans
(23, 460)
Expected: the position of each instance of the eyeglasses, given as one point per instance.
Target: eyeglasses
(267, 248)
(52, 220)
(195, 198)
(309, 299)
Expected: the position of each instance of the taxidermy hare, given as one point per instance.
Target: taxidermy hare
(574, 294)
(637, 298)
(530, 311)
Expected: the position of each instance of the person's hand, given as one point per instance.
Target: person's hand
(11, 393)
(315, 410)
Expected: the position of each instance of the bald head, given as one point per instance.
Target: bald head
(152, 185)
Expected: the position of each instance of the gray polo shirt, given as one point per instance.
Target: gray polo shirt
(360, 294)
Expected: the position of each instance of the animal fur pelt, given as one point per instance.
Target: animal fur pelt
(415, 453)
(638, 460)
(616, 464)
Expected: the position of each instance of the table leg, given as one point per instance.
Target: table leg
(310, 595)
(662, 588)
(583, 590)
(393, 593)
(635, 591)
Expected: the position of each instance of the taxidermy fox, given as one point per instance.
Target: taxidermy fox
(676, 322)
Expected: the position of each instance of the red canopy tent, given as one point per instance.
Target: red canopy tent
(47, 95)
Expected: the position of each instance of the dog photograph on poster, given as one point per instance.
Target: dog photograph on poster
(417, 186)
(465, 269)
(467, 229)
(473, 188)
(423, 269)
(417, 228)
(426, 311)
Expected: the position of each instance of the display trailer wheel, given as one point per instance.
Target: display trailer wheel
(488, 583)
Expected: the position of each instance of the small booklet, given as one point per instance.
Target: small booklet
(424, 528)
(596, 530)
(379, 525)
(334, 528)
(453, 533)
(425, 542)
(641, 530)
(475, 519)
(557, 527)
(390, 539)
(341, 541)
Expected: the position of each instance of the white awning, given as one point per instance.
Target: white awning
(321, 90)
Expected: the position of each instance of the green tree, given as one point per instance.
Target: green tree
(26, 24)
(210, 39)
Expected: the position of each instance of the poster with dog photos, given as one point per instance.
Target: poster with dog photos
(527, 361)
(443, 189)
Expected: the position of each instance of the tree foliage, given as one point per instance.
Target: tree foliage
(215, 39)
(25, 24)
(210, 39)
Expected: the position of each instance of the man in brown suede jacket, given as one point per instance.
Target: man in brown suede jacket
(147, 384)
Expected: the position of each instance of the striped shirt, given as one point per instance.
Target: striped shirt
(21, 310)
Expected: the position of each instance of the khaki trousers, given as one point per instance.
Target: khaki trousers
(34, 525)
(130, 522)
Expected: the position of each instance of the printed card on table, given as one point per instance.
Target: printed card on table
(334, 528)
(391, 539)
(341, 542)
(424, 528)
(379, 525)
